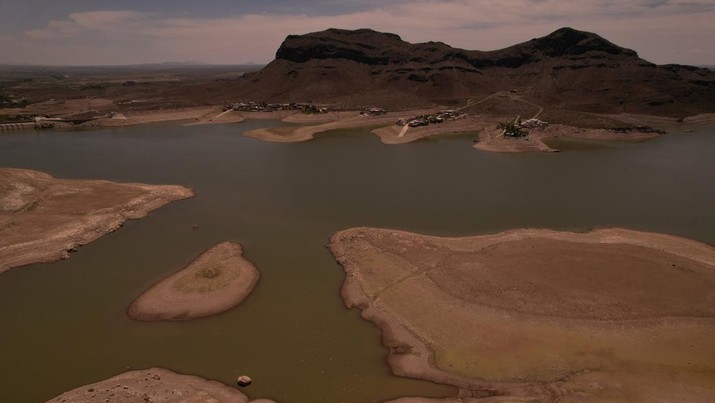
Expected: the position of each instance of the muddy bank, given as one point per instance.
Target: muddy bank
(43, 218)
(155, 385)
(216, 281)
(540, 314)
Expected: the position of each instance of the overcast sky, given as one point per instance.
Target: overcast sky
(101, 32)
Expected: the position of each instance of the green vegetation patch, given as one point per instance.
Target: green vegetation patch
(206, 279)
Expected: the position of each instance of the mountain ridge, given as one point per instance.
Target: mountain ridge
(568, 68)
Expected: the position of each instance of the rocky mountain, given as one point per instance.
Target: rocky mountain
(566, 69)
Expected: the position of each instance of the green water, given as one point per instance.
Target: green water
(64, 325)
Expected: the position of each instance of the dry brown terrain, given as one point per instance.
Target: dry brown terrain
(292, 134)
(43, 218)
(154, 385)
(216, 281)
(469, 124)
(610, 314)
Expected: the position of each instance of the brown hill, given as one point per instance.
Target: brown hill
(567, 69)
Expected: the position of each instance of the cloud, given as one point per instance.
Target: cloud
(660, 30)
(89, 22)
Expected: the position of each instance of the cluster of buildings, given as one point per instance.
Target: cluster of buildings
(265, 107)
(434, 118)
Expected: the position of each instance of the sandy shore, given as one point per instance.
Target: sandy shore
(154, 385)
(155, 116)
(540, 314)
(469, 124)
(492, 138)
(216, 281)
(346, 120)
(43, 218)
(207, 115)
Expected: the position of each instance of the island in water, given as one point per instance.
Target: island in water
(218, 280)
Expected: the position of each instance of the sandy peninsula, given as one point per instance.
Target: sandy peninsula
(154, 385)
(346, 120)
(610, 314)
(216, 281)
(43, 218)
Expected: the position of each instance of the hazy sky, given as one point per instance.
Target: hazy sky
(81, 32)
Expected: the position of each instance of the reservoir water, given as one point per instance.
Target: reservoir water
(63, 324)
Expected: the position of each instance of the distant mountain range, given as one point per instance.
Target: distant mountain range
(567, 69)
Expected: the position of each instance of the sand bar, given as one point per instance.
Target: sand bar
(43, 218)
(216, 281)
(154, 385)
(607, 314)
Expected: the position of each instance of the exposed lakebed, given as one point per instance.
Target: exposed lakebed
(64, 324)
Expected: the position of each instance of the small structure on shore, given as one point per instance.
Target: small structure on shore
(266, 107)
(534, 123)
(373, 111)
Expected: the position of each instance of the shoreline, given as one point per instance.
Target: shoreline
(43, 218)
(217, 280)
(155, 384)
(484, 126)
(414, 353)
